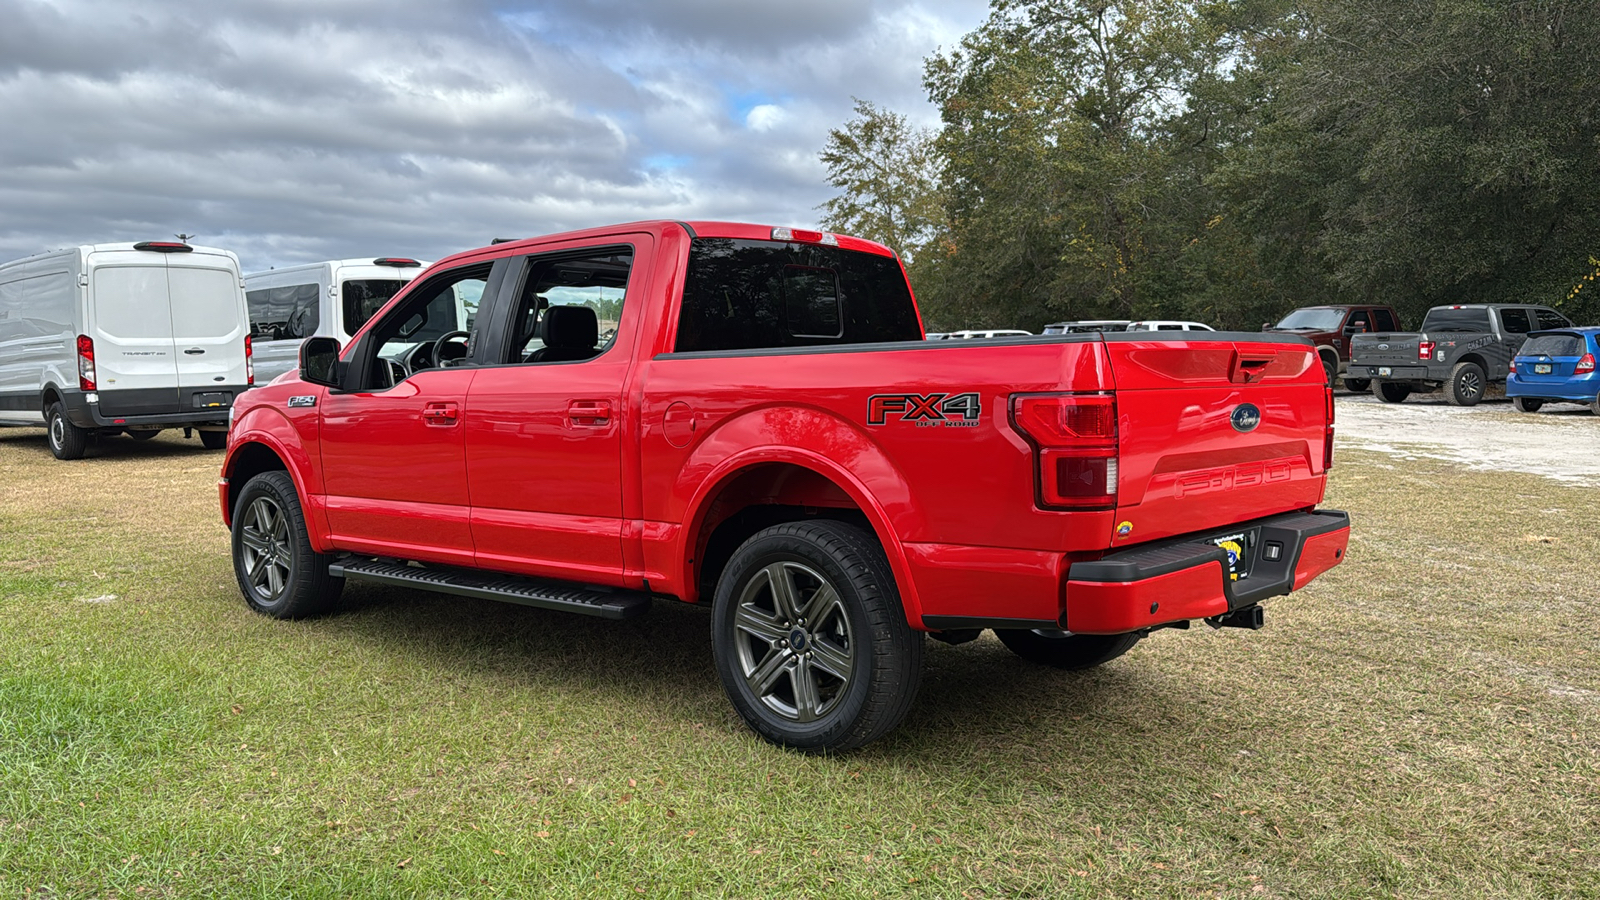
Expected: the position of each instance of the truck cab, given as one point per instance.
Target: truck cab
(1331, 328)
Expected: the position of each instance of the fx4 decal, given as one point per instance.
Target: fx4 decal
(926, 410)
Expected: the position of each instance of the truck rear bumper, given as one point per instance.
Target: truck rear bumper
(1189, 577)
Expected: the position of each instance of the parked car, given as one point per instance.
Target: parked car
(107, 339)
(1087, 326)
(987, 333)
(331, 299)
(768, 434)
(1556, 367)
(1168, 325)
(1462, 349)
(1331, 329)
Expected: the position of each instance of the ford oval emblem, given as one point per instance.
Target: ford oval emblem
(1383, 346)
(1245, 417)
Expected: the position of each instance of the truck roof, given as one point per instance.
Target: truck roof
(698, 228)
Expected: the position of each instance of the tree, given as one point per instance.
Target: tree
(886, 171)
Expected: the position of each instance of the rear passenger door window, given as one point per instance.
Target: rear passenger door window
(1515, 321)
(1549, 318)
(569, 307)
(1383, 321)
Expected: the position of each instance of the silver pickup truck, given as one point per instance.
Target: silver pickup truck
(1461, 349)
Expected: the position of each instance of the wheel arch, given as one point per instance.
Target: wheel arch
(265, 441)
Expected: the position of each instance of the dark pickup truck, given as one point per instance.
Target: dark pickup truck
(1330, 328)
(1462, 349)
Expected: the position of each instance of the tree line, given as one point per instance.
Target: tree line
(1229, 160)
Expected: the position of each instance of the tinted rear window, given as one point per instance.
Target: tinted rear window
(1516, 321)
(282, 313)
(1549, 318)
(748, 295)
(1445, 319)
(1553, 345)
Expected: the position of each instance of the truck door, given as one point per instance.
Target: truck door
(393, 445)
(546, 417)
(1515, 323)
(135, 364)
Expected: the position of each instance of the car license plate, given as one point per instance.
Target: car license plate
(1234, 545)
(1384, 370)
(1541, 368)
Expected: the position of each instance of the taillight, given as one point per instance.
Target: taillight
(85, 362)
(1327, 434)
(1074, 437)
(1425, 350)
(1512, 367)
(1585, 365)
(249, 362)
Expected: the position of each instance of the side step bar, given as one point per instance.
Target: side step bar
(587, 600)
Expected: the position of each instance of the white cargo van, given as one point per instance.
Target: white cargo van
(326, 299)
(105, 339)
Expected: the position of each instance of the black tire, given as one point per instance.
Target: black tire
(1595, 406)
(67, 441)
(840, 679)
(1389, 392)
(1466, 384)
(214, 440)
(278, 572)
(1330, 368)
(142, 435)
(1526, 404)
(1358, 385)
(1067, 651)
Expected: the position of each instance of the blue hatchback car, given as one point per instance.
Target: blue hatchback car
(1556, 366)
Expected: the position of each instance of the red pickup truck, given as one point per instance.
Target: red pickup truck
(747, 417)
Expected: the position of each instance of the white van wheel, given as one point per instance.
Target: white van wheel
(67, 441)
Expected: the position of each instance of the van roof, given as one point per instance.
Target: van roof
(370, 262)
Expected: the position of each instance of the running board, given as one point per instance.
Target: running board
(587, 600)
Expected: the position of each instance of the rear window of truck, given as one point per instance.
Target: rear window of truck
(1448, 320)
(753, 295)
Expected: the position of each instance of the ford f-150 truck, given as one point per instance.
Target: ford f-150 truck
(748, 418)
(1331, 328)
(1462, 349)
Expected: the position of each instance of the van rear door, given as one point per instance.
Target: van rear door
(208, 321)
(135, 365)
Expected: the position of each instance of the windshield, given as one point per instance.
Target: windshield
(1313, 319)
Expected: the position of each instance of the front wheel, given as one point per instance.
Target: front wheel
(1358, 385)
(810, 639)
(67, 441)
(1066, 651)
(1390, 392)
(1526, 404)
(1466, 385)
(278, 571)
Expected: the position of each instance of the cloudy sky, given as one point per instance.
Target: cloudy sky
(298, 130)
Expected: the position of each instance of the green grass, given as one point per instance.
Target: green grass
(1421, 722)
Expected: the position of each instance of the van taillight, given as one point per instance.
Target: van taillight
(249, 362)
(1585, 365)
(85, 362)
(1074, 437)
(1425, 350)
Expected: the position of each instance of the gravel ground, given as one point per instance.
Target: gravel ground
(1560, 441)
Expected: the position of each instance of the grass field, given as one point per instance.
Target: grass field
(1424, 721)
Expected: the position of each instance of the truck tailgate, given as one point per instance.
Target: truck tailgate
(1214, 432)
(1385, 349)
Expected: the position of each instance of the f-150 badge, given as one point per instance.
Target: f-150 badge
(307, 400)
(926, 410)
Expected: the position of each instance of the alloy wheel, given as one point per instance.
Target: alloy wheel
(795, 649)
(268, 556)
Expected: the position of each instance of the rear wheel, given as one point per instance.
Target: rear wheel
(278, 571)
(810, 639)
(1466, 385)
(1526, 404)
(1066, 651)
(214, 440)
(1330, 368)
(67, 441)
(1595, 406)
(1358, 385)
(1389, 392)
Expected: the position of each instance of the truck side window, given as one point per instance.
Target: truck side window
(1358, 322)
(570, 306)
(282, 313)
(754, 295)
(405, 337)
(1549, 318)
(1515, 321)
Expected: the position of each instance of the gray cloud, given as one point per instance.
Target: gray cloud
(291, 131)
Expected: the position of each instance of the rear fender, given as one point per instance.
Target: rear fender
(269, 427)
(812, 439)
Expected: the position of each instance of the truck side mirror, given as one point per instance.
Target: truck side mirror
(319, 361)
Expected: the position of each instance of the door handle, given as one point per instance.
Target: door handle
(589, 412)
(441, 413)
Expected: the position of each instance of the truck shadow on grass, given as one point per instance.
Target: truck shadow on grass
(33, 441)
(977, 700)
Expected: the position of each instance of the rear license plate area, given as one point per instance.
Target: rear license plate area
(1384, 370)
(1541, 368)
(213, 400)
(1241, 549)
